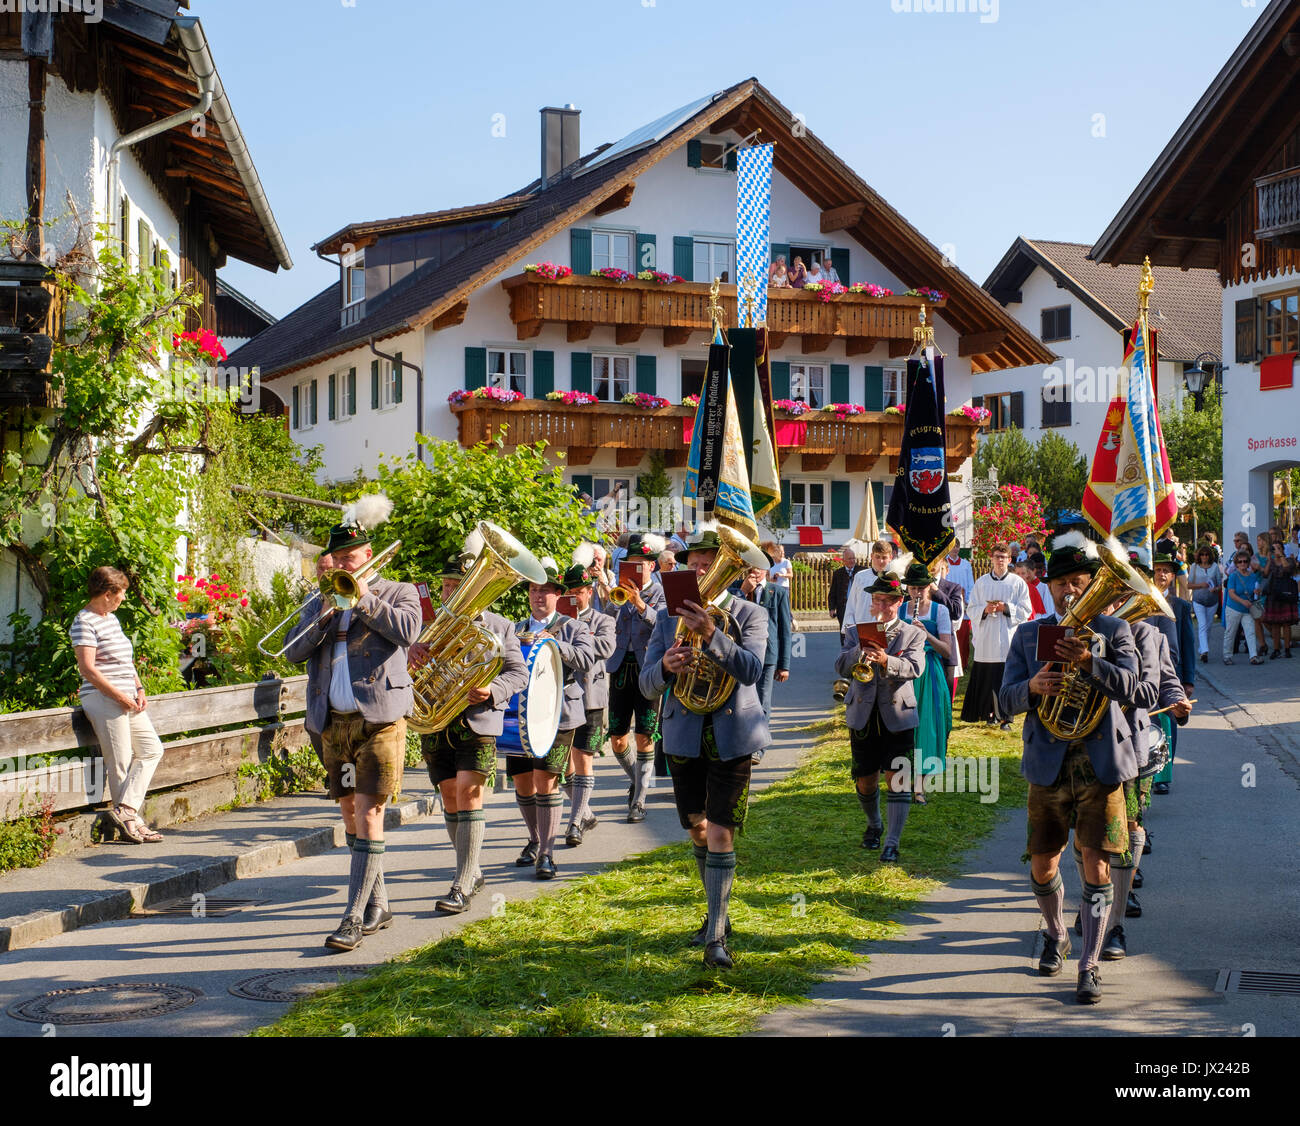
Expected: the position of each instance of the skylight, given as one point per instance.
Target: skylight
(649, 134)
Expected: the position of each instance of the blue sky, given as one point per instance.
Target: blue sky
(977, 129)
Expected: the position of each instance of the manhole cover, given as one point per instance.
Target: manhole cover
(1257, 981)
(105, 1004)
(202, 907)
(294, 985)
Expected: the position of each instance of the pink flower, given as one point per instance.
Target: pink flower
(243, 601)
(182, 597)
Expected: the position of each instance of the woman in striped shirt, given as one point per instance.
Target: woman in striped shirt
(113, 699)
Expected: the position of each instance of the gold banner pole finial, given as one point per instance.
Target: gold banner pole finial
(1146, 284)
(715, 307)
(748, 285)
(923, 334)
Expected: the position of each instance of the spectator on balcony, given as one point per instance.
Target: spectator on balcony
(778, 277)
(798, 274)
(815, 272)
(828, 270)
(781, 570)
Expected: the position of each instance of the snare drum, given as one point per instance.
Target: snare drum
(1157, 753)
(532, 717)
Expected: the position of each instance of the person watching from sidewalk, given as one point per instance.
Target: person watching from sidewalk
(1241, 588)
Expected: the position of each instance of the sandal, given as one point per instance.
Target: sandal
(135, 828)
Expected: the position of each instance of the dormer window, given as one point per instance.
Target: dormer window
(354, 278)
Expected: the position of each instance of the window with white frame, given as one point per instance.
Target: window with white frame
(344, 384)
(808, 504)
(611, 377)
(508, 369)
(387, 385)
(613, 249)
(303, 405)
(354, 278)
(808, 382)
(714, 259)
(893, 384)
(693, 373)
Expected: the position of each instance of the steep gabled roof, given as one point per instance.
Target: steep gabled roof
(312, 333)
(1186, 307)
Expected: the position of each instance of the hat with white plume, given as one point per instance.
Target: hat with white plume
(1073, 552)
(360, 519)
(890, 580)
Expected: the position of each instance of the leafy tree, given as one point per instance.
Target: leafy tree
(1010, 451)
(1059, 476)
(655, 487)
(1194, 442)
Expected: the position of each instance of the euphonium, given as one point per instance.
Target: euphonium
(463, 655)
(703, 686)
(1079, 709)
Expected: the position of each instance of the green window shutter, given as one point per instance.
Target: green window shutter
(126, 231)
(781, 250)
(731, 160)
(165, 259)
(543, 374)
(646, 255)
(840, 504)
(397, 377)
(645, 374)
(582, 482)
(840, 261)
(839, 383)
(311, 402)
(142, 230)
(580, 373)
(352, 391)
(295, 414)
(875, 397)
(580, 250)
(784, 516)
(878, 498)
(475, 368)
(684, 257)
(374, 384)
(780, 379)
(693, 154)
(333, 392)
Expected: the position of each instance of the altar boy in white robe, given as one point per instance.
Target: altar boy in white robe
(999, 603)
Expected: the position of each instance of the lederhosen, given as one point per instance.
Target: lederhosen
(590, 737)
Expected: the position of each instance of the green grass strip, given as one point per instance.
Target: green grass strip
(609, 956)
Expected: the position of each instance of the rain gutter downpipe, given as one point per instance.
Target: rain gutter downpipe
(419, 392)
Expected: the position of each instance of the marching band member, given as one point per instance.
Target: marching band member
(589, 739)
(633, 623)
(933, 698)
(358, 698)
(462, 757)
(537, 780)
(1181, 634)
(711, 755)
(998, 605)
(881, 712)
(1077, 781)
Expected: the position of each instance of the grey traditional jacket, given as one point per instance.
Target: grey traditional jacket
(488, 718)
(632, 628)
(595, 682)
(383, 626)
(892, 688)
(578, 653)
(739, 724)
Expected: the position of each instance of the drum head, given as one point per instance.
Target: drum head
(540, 702)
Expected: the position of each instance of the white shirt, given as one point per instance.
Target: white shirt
(961, 574)
(992, 634)
(858, 606)
(341, 696)
(1045, 593)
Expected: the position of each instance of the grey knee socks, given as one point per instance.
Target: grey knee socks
(470, 826)
(719, 873)
(1094, 911)
(897, 807)
(1051, 902)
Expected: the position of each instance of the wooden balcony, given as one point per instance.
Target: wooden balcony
(31, 320)
(632, 307)
(1278, 208)
(582, 430)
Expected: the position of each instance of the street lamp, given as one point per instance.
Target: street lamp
(1198, 377)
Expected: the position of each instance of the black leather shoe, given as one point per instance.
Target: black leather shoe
(1146, 847)
(573, 836)
(697, 939)
(1160, 788)
(475, 887)
(636, 813)
(590, 824)
(717, 956)
(545, 867)
(1132, 909)
(453, 903)
(528, 856)
(1078, 924)
(1137, 878)
(347, 937)
(1088, 991)
(871, 838)
(376, 920)
(1115, 947)
(1052, 959)
(889, 854)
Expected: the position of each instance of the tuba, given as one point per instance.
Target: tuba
(462, 654)
(703, 686)
(1079, 709)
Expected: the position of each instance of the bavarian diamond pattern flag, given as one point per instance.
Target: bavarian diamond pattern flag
(753, 211)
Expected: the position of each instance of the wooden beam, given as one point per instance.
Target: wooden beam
(628, 459)
(859, 345)
(580, 455)
(782, 453)
(843, 217)
(859, 463)
(815, 463)
(452, 317)
(812, 345)
(676, 459)
(676, 337)
(898, 348)
(619, 200)
(628, 334)
(981, 343)
(526, 330)
(1193, 232)
(737, 120)
(776, 340)
(577, 330)
(36, 155)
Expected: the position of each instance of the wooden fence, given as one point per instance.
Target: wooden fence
(219, 729)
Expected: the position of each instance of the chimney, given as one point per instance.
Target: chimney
(560, 146)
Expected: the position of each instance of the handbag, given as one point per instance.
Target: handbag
(1207, 597)
(1257, 610)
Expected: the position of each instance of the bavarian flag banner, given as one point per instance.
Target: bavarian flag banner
(717, 482)
(920, 509)
(753, 213)
(1130, 493)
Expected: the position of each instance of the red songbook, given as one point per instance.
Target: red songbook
(426, 603)
(679, 587)
(567, 605)
(1048, 636)
(872, 633)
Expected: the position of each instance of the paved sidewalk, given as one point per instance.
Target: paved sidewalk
(1220, 894)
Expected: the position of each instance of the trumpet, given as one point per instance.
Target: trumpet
(615, 595)
(864, 671)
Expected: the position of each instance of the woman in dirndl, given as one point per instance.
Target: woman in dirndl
(1279, 599)
(933, 699)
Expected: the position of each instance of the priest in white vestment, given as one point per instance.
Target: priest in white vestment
(999, 603)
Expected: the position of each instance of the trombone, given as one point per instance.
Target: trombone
(338, 588)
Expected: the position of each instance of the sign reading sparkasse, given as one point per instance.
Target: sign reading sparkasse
(1283, 442)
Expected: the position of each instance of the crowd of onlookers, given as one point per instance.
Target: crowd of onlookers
(797, 275)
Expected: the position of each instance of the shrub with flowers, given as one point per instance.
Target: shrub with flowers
(691, 401)
(1019, 513)
(497, 394)
(548, 270)
(198, 595)
(793, 407)
(572, 398)
(897, 408)
(928, 293)
(204, 343)
(658, 276)
(826, 290)
(871, 289)
(844, 410)
(613, 273)
(642, 401)
(980, 415)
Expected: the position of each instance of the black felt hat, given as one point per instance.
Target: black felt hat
(1071, 553)
(360, 519)
(1165, 559)
(647, 546)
